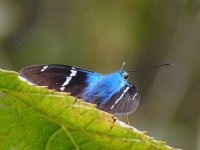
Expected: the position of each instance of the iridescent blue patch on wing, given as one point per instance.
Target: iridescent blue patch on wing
(102, 88)
(92, 79)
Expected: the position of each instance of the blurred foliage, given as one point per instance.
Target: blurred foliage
(100, 35)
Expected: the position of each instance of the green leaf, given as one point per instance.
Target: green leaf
(34, 117)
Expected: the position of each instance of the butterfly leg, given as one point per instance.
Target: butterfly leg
(74, 102)
(114, 120)
(127, 120)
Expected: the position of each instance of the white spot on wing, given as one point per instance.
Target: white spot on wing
(44, 68)
(134, 96)
(62, 88)
(67, 81)
(119, 98)
(73, 73)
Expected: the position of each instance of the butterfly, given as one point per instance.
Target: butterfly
(111, 93)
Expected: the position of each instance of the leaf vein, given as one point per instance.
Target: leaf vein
(71, 138)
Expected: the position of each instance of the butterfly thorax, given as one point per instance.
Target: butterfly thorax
(105, 87)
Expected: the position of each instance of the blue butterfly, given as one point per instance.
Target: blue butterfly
(111, 92)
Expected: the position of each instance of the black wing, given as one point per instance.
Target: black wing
(58, 77)
(123, 102)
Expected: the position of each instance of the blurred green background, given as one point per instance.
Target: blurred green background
(101, 35)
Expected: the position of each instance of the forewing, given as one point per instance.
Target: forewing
(123, 102)
(59, 77)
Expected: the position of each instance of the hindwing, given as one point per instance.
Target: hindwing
(123, 102)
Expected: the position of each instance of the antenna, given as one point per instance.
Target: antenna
(154, 67)
(124, 63)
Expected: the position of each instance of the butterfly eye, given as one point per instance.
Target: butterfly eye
(125, 75)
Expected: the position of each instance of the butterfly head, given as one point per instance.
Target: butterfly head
(124, 74)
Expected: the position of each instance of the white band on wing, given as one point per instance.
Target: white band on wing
(119, 98)
(68, 79)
